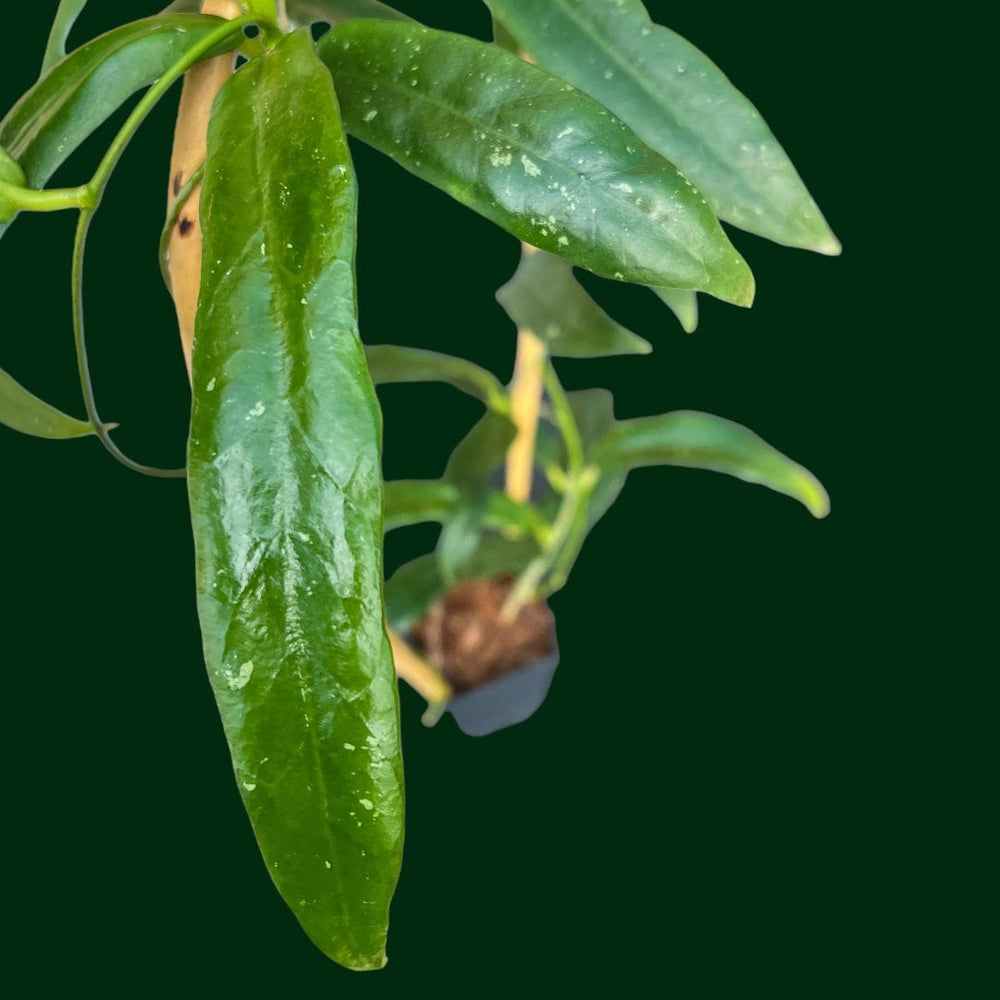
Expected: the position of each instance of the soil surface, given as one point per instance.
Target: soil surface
(465, 637)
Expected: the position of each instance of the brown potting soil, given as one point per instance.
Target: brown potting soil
(464, 635)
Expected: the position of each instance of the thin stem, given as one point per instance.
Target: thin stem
(96, 187)
(100, 429)
(168, 227)
(570, 524)
(53, 200)
(421, 676)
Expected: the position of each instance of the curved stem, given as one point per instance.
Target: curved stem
(421, 676)
(172, 216)
(83, 365)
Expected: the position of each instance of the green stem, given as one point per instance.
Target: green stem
(570, 525)
(96, 187)
(168, 227)
(55, 200)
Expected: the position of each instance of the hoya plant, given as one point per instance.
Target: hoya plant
(602, 142)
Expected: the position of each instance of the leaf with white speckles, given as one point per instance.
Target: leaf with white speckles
(286, 503)
(680, 103)
(531, 153)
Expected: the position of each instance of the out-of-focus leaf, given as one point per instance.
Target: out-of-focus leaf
(66, 15)
(544, 297)
(24, 412)
(83, 90)
(478, 455)
(531, 153)
(391, 363)
(286, 500)
(411, 590)
(704, 441)
(414, 501)
(301, 12)
(683, 304)
(680, 103)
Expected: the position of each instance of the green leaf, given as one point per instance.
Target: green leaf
(476, 458)
(23, 412)
(286, 500)
(702, 441)
(10, 173)
(683, 304)
(411, 591)
(82, 91)
(544, 297)
(529, 152)
(301, 12)
(66, 15)
(413, 501)
(391, 363)
(680, 103)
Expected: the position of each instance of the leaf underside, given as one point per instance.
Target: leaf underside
(22, 411)
(286, 499)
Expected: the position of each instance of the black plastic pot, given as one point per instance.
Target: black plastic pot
(508, 700)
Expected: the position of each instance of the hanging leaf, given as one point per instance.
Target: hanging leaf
(414, 501)
(286, 500)
(475, 458)
(82, 91)
(303, 12)
(391, 363)
(66, 15)
(703, 441)
(530, 153)
(544, 297)
(23, 412)
(680, 103)
(683, 304)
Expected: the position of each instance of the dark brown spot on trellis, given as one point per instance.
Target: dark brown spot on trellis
(184, 226)
(178, 182)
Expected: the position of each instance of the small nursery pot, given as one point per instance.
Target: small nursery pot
(511, 698)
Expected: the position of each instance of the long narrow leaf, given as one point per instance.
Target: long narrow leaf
(66, 15)
(703, 441)
(83, 90)
(24, 412)
(680, 103)
(286, 500)
(528, 151)
(391, 363)
(544, 297)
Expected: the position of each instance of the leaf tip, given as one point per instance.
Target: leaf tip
(813, 495)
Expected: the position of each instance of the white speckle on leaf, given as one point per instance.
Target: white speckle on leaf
(367, 803)
(500, 159)
(623, 187)
(350, 746)
(369, 115)
(568, 130)
(328, 865)
(257, 410)
(608, 74)
(562, 241)
(263, 249)
(239, 680)
(211, 384)
(530, 167)
(249, 785)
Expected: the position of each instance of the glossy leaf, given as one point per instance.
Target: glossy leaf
(414, 501)
(544, 297)
(683, 304)
(24, 412)
(286, 499)
(66, 15)
(83, 90)
(703, 441)
(391, 363)
(680, 103)
(302, 12)
(530, 153)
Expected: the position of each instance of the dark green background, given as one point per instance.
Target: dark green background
(705, 796)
